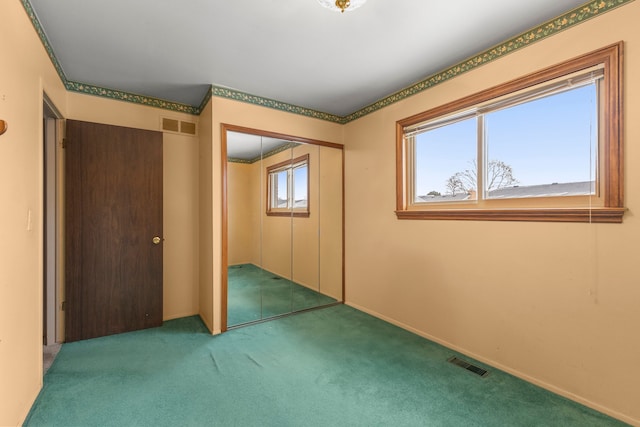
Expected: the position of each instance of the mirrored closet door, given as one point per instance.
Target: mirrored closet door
(283, 228)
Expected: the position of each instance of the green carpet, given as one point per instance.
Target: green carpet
(330, 367)
(256, 294)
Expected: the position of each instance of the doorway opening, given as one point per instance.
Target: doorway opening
(52, 327)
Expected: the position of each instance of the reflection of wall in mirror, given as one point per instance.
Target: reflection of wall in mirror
(243, 223)
(304, 238)
(291, 248)
(331, 222)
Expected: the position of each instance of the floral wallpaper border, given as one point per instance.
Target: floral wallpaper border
(569, 19)
(272, 103)
(131, 97)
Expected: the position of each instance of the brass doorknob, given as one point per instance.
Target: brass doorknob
(156, 240)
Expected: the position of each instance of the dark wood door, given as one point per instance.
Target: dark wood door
(113, 211)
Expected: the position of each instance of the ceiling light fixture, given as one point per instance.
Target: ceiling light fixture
(342, 5)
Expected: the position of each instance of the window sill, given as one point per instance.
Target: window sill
(290, 214)
(589, 215)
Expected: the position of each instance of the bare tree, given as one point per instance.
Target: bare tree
(454, 184)
(499, 175)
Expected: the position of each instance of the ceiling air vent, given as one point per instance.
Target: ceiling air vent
(178, 126)
(468, 366)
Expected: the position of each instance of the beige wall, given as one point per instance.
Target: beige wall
(24, 74)
(206, 220)
(557, 304)
(244, 213)
(331, 222)
(181, 216)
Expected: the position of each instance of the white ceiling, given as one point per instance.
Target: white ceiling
(246, 146)
(293, 51)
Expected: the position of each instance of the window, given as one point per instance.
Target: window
(288, 188)
(545, 147)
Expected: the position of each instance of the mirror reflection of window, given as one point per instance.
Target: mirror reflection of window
(300, 187)
(279, 189)
(288, 187)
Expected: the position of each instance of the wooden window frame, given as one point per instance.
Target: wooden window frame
(611, 210)
(286, 165)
